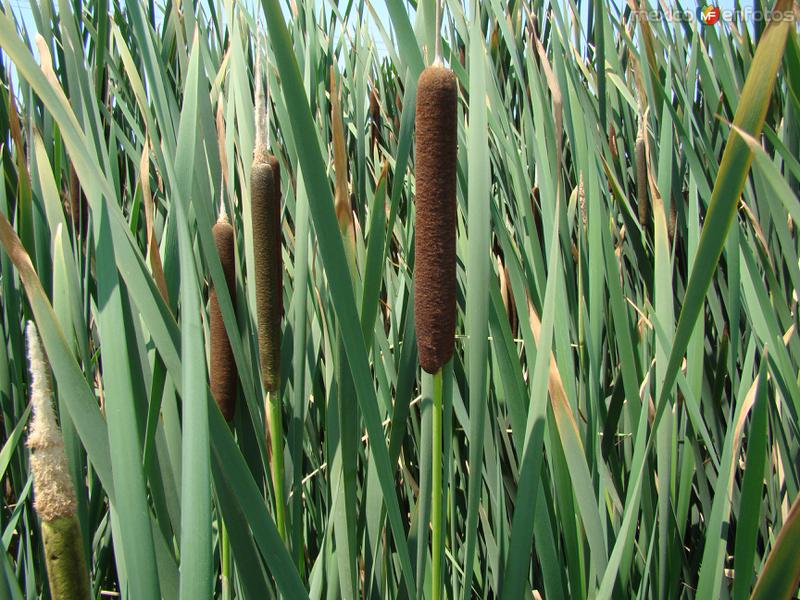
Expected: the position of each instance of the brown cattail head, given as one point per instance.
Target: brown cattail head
(265, 208)
(612, 142)
(273, 163)
(398, 110)
(435, 246)
(78, 208)
(641, 178)
(375, 117)
(223, 373)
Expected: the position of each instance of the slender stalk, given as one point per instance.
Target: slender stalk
(225, 556)
(437, 549)
(437, 58)
(276, 440)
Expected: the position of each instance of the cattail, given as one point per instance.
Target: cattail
(266, 218)
(641, 178)
(673, 219)
(265, 190)
(435, 246)
(223, 374)
(269, 278)
(375, 117)
(54, 493)
(78, 209)
(612, 142)
(398, 110)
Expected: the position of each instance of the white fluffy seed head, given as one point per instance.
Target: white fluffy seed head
(54, 494)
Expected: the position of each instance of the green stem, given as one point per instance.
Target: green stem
(225, 549)
(436, 511)
(225, 555)
(276, 437)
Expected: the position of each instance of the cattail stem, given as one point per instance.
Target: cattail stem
(225, 557)
(437, 59)
(437, 547)
(276, 437)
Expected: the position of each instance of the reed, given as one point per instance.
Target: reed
(266, 223)
(54, 493)
(435, 258)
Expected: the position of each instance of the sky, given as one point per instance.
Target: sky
(22, 8)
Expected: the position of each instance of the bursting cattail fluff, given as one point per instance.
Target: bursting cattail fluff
(435, 246)
(54, 493)
(223, 374)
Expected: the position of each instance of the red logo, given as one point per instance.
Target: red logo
(710, 15)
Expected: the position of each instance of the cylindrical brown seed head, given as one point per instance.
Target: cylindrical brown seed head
(435, 246)
(78, 209)
(398, 110)
(273, 163)
(265, 210)
(375, 117)
(223, 373)
(612, 142)
(673, 218)
(641, 180)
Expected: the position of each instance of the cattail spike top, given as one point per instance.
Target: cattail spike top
(54, 492)
(223, 214)
(435, 246)
(437, 58)
(261, 147)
